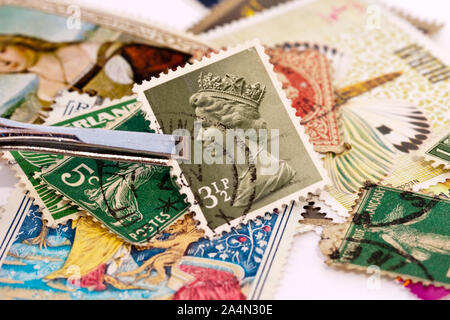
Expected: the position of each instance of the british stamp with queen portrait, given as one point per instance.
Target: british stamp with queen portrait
(248, 154)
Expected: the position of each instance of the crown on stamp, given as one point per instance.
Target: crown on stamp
(232, 87)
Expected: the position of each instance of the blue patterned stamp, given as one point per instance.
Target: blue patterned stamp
(81, 260)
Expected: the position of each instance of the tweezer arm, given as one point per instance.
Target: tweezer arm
(93, 143)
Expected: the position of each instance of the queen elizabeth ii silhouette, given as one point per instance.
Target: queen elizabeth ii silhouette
(229, 102)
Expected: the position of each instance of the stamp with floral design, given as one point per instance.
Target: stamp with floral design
(83, 260)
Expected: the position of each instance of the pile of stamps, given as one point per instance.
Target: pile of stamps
(307, 116)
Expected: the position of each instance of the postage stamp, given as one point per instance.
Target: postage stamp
(248, 154)
(84, 261)
(135, 201)
(400, 232)
(27, 164)
(437, 150)
(63, 47)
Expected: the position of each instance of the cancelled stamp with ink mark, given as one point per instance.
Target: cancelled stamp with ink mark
(402, 232)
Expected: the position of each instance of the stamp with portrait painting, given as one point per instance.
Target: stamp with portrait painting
(248, 155)
(92, 52)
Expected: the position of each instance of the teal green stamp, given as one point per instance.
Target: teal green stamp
(135, 201)
(402, 233)
(31, 163)
(441, 150)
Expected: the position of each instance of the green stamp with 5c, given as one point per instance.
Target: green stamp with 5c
(32, 162)
(402, 233)
(135, 201)
(441, 150)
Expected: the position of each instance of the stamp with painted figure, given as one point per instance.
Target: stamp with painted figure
(214, 101)
(27, 164)
(135, 201)
(72, 47)
(400, 232)
(83, 260)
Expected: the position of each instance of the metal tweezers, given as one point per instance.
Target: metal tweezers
(125, 146)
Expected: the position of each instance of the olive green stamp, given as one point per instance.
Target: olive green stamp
(232, 104)
(400, 232)
(135, 201)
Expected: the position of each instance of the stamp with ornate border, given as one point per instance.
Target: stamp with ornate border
(225, 193)
(306, 74)
(339, 60)
(402, 233)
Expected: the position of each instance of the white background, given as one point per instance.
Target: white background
(306, 276)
